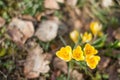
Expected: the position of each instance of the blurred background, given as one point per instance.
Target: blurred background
(31, 31)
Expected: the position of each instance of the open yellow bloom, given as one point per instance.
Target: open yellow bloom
(89, 50)
(86, 37)
(96, 28)
(74, 35)
(65, 53)
(78, 54)
(92, 61)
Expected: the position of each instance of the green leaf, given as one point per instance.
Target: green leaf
(105, 76)
(115, 44)
(61, 77)
(99, 42)
(2, 52)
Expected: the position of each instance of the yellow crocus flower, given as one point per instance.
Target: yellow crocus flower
(78, 54)
(92, 61)
(87, 37)
(65, 53)
(74, 35)
(96, 28)
(89, 50)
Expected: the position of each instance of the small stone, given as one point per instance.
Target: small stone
(47, 30)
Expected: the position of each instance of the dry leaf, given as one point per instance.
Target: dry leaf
(47, 30)
(116, 33)
(48, 56)
(77, 24)
(60, 1)
(60, 64)
(2, 21)
(51, 4)
(76, 75)
(112, 71)
(103, 63)
(28, 17)
(20, 30)
(107, 3)
(35, 62)
(71, 2)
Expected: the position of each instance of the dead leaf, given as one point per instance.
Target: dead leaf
(51, 4)
(61, 65)
(38, 16)
(60, 1)
(48, 56)
(47, 30)
(77, 24)
(20, 30)
(71, 2)
(116, 34)
(2, 21)
(107, 3)
(75, 75)
(35, 62)
(103, 63)
(28, 17)
(112, 71)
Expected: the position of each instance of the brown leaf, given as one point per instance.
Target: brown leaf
(48, 56)
(28, 17)
(103, 63)
(2, 21)
(116, 33)
(20, 30)
(107, 3)
(35, 62)
(78, 24)
(60, 64)
(113, 75)
(47, 30)
(72, 2)
(75, 75)
(51, 4)
(60, 1)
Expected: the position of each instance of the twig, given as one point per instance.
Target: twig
(5, 76)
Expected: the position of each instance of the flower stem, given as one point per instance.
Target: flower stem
(63, 41)
(69, 66)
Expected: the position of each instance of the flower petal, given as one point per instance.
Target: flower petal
(78, 54)
(89, 50)
(74, 35)
(65, 53)
(92, 61)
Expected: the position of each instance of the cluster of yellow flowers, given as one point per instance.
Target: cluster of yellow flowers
(96, 29)
(87, 54)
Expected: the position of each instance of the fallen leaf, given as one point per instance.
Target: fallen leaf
(35, 62)
(112, 71)
(71, 2)
(2, 21)
(47, 30)
(61, 65)
(75, 75)
(60, 1)
(104, 62)
(20, 30)
(116, 34)
(38, 16)
(107, 3)
(51, 4)
(28, 17)
(77, 24)
(48, 56)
